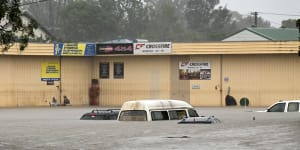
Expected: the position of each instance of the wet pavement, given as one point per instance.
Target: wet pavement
(60, 128)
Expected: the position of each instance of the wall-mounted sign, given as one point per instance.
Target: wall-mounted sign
(74, 49)
(194, 71)
(195, 86)
(126, 48)
(50, 82)
(50, 71)
(152, 48)
(226, 79)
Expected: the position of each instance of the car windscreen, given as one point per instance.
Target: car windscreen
(279, 107)
(193, 113)
(133, 115)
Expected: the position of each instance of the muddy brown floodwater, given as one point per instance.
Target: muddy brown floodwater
(59, 128)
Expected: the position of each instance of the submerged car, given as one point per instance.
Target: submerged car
(155, 110)
(285, 106)
(101, 114)
(200, 120)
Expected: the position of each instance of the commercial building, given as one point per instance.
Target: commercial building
(199, 73)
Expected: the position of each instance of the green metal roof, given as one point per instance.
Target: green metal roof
(276, 34)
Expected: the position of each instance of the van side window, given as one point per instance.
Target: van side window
(293, 106)
(177, 114)
(159, 115)
(133, 115)
(193, 113)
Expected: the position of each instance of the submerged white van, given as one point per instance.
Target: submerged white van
(154, 110)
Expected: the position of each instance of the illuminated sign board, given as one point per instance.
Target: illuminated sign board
(103, 49)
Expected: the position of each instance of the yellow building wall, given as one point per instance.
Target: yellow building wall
(209, 92)
(264, 79)
(21, 83)
(179, 89)
(6, 79)
(76, 75)
(145, 77)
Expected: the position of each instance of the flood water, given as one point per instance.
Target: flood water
(60, 128)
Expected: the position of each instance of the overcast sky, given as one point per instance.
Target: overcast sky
(245, 7)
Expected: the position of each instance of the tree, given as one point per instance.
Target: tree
(136, 18)
(290, 23)
(82, 21)
(212, 24)
(198, 13)
(221, 24)
(165, 22)
(12, 28)
(248, 21)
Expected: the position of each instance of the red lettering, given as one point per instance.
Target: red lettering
(139, 46)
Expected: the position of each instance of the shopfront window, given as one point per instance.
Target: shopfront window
(104, 70)
(118, 70)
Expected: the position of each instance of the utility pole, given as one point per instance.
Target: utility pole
(255, 18)
(298, 26)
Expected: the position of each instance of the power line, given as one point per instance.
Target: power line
(24, 4)
(280, 14)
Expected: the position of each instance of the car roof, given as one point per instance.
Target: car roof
(289, 101)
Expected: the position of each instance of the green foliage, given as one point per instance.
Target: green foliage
(12, 28)
(248, 21)
(290, 23)
(136, 18)
(165, 24)
(155, 20)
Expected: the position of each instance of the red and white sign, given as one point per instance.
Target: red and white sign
(152, 48)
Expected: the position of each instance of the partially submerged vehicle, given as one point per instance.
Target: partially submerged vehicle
(285, 106)
(155, 110)
(200, 120)
(101, 114)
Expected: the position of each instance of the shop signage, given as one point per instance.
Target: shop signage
(103, 49)
(50, 71)
(194, 71)
(152, 48)
(74, 49)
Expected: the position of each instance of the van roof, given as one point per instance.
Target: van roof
(154, 104)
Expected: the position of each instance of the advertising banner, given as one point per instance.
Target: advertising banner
(74, 49)
(194, 71)
(104, 49)
(152, 48)
(50, 71)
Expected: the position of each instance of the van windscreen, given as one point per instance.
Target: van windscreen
(133, 115)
